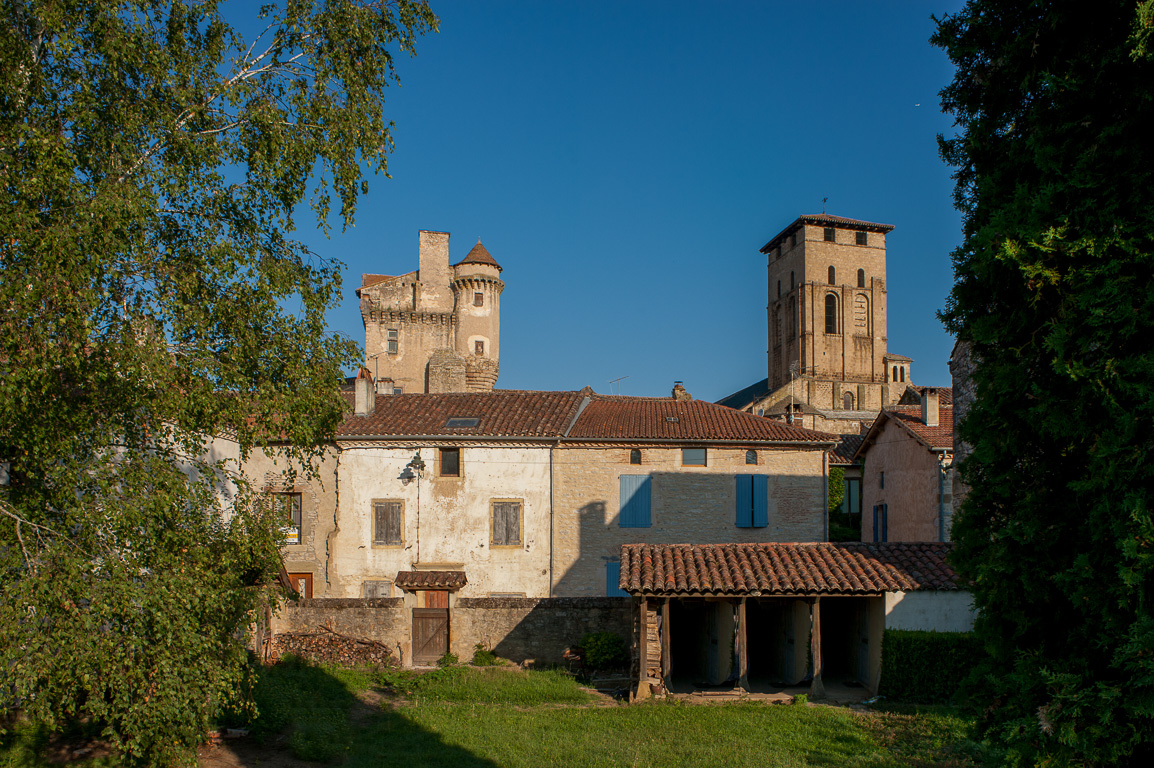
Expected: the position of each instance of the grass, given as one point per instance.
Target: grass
(501, 717)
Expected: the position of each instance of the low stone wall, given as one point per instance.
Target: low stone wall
(537, 629)
(515, 628)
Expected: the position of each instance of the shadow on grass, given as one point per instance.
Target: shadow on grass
(315, 712)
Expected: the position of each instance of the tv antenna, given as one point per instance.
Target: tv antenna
(616, 381)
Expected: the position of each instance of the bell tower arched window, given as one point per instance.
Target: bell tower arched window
(861, 278)
(847, 401)
(832, 275)
(830, 313)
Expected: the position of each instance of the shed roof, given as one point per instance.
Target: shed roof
(412, 580)
(785, 569)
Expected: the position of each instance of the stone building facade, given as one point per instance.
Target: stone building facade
(826, 320)
(437, 329)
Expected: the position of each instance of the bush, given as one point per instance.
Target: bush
(926, 667)
(605, 650)
(448, 660)
(801, 699)
(483, 657)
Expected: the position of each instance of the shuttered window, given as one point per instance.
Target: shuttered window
(635, 495)
(752, 501)
(387, 522)
(506, 523)
(612, 579)
(881, 522)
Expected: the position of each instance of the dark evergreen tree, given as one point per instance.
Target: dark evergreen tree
(1054, 158)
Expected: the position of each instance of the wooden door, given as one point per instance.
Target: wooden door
(430, 634)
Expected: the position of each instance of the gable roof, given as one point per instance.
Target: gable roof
(821, 568)
(844, 453)
(820, 219)
(609, 417)
(502, 413)
(913, 395)
(743, 398)
(909, 418)
(479, 255)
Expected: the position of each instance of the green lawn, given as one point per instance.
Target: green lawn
(462, 717)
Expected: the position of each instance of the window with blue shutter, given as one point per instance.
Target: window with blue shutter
(881, 522)
(612, 578)
(752, 500)
(635, 493)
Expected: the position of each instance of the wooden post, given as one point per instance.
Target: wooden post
(642, 652)
(742, 648)
(666, 642)
(817, 687)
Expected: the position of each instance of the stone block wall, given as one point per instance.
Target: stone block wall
(521, 629)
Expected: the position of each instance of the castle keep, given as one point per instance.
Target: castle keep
(436, 329)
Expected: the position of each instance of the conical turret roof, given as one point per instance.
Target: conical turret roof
(479, 256)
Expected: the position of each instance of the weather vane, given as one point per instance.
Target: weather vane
(823, 201)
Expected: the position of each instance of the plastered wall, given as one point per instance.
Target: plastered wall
(911, 486)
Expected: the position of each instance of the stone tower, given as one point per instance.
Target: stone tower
(436, 329)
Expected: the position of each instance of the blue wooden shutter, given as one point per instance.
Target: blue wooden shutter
(612, 578)
(876, 522)
(760, 501)
(885, 522)
(744, 501)
(635, 501)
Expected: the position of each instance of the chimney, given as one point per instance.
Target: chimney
(366, 398)
(385, 386)
(930, 407)
(679, 392)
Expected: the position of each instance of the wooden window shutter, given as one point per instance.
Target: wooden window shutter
(612, 581)
(387, 522)
(635, 497)
(744, 501)
(506, 522)
(760, 500)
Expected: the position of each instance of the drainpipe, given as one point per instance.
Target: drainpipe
(825, 494)
(552, 448)
(941, 497)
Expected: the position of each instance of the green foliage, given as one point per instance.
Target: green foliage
(1055, 295)
(926, 667)
(800, 700)
(605, 650)
(151, 163)
(448, 660)
(836, 488)
(483, 657)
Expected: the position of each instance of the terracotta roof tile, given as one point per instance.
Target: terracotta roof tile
(411, 580)
(939, 438)
(842, 454)
(785, 569)
(501, 413)
(479, 255)
(610, 417)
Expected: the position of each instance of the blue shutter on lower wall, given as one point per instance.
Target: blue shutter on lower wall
(612, 578)
(744, 501)
(635, 494)
(760, 501)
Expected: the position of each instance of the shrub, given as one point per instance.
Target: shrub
(926, 667)
(605, 650)
(448, 660)
(801, 699)
(483, 657)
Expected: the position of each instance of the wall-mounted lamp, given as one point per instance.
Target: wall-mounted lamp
(412, 469)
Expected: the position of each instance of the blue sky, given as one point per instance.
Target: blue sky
(624, 162)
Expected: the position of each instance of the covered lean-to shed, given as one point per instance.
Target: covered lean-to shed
(768, 617)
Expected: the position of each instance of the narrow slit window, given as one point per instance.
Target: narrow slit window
(861, 278)
(832, 276)
(830, 313)
(479, 348)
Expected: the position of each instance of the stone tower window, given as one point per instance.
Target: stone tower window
(847, 401)
(902, 372)
(393, 341)
(478, 299)
(830, 234)
(861, 278)
(830, 313)
(478, 348)
(634, 455)
(832, 275)
(895, 376)
(862, 238)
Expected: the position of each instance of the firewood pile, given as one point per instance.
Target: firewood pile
(326, 645)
